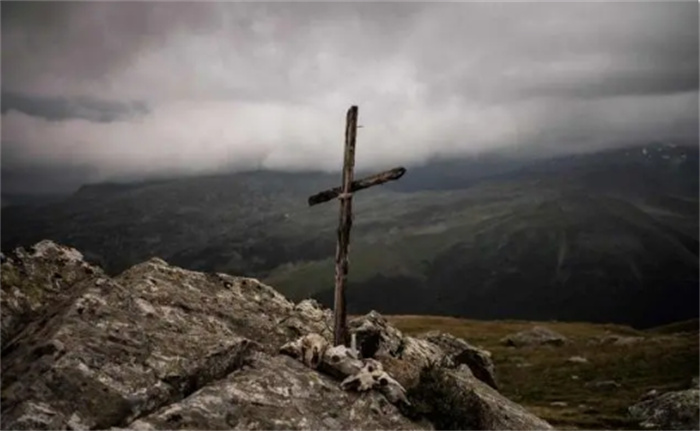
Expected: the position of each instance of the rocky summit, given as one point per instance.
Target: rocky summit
(159, 347)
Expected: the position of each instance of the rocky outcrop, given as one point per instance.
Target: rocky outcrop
(670, 411)
(159, 347)
(537, 336)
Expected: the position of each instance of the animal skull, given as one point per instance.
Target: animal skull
(309, 349)
(362, 381)
(341, 362)
(371, 376)
(392, 390)
(313, 347)
(359, 375)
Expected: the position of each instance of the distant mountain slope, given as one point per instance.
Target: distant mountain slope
(569, 258)
(202, 222)
(610, 236)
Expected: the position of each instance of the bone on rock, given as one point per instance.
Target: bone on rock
(341, 362)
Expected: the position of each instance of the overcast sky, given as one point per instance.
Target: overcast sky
(108, 90)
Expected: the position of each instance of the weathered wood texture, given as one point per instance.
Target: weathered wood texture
(374, 180)
(341, 253)
(344, 193)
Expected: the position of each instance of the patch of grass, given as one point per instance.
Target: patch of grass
(404, 253)
(537, 376)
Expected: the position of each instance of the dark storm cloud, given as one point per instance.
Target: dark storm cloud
(234, 85)
(61, 108)
(65, 42)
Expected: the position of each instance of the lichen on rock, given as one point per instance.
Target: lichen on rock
(161, 347)
(676, 410)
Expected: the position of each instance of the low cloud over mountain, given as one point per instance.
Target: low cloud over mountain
(124, 90)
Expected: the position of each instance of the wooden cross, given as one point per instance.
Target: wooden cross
(344, 193)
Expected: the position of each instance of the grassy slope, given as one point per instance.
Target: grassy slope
(398, 237)
(535, 377)
(503, 238)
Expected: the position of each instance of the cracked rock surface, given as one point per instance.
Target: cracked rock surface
(159, 347)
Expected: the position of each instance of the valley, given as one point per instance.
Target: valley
(609, 237)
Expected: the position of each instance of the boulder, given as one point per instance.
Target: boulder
(671, 411)
(536, 336)
(455, 399)
(460, 352)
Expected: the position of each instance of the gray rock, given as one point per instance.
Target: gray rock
(36, 281)
(132, 344)
(159, 347)
(277, 393)
(559, 404)
(673, 410)
(536, 336)
(577, 360)
(455, 399)
(478, 360)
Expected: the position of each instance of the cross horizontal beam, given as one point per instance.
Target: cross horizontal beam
(364, 183)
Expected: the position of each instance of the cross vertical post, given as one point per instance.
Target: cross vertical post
(344, 194)
(344, 225)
